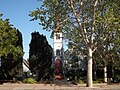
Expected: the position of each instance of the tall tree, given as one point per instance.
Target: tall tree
(106, 31)
(107, 26)
(40, 56)
(11, 50)
(72, 14)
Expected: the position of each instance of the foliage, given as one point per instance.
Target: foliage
(107, 31)
(8, 40)
(98, 81)
(29, 80)
(49, 15)
(81, 81)
(40, 55)
(11, 50)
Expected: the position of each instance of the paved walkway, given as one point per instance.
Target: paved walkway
(10, 86)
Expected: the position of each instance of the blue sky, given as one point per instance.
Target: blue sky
(17, 11)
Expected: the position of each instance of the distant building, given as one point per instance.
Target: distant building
(25, 66)
(72, 59)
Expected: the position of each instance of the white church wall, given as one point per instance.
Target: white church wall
(58, 42)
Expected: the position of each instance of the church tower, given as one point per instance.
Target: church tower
(58, 49)
(58, 55)
(58, 45)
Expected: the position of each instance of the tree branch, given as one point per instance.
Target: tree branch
(83, 31)
(93, 27)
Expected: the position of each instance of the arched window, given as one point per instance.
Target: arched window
(57, 52)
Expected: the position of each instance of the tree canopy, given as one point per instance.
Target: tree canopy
(8, 40)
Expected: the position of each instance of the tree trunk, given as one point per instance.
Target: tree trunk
(94, 70)
(113, 72)
(89, 68)
(105, 74)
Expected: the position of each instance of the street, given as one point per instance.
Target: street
(10, 86)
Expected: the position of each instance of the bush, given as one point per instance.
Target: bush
(81, 81)
(98, 80)
(29, 80)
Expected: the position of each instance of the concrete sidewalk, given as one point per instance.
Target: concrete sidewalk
(10, 86)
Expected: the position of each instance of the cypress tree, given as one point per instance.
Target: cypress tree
(40, 55)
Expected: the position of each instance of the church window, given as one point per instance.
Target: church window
(57, 36)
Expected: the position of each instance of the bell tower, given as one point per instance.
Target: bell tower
(58, 45)
(58, 55)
